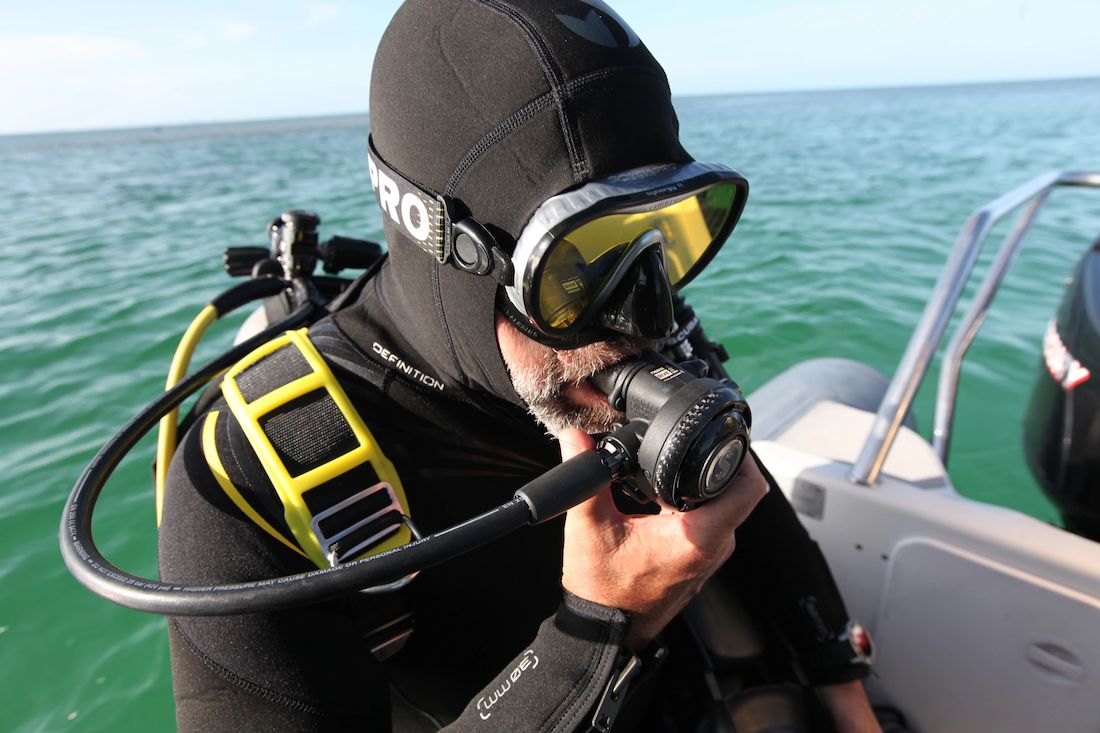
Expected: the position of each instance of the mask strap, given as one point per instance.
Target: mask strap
(419, 212)
(425, 218)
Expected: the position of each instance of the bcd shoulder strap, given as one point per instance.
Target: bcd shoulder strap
(342, 498)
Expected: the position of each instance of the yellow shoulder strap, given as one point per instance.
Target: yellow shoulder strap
(318, 534)
(210, 451)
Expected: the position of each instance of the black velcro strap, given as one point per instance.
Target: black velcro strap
(341, 488)
(308, 432)
(269, 372)
(420, 213)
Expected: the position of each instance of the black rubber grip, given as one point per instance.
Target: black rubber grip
(565, 486)
(344, 252)
(239, 261)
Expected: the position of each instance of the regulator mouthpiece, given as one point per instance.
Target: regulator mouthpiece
(686, 434)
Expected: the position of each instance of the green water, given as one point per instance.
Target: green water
(112, 241)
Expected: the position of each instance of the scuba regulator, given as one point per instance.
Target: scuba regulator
(687, 433)
(684, 437)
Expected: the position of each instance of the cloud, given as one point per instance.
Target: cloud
(54, 50)
(805, 44)
(196, 40)
(237, 31)
(228, 31)
(320, 13)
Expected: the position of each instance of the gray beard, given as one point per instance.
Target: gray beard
(541, 384)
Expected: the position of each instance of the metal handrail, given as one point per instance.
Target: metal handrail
(945, 296)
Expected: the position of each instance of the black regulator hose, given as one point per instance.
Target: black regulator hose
(616, 459)
(248, 291)
(578, 479)
(78, 548)
(546, 497)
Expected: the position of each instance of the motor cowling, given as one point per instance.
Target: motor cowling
(1062, 425)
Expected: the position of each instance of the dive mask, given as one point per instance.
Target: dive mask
(593, 261)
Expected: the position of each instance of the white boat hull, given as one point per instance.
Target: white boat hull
(985, 619)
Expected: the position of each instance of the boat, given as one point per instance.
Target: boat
(985, 619)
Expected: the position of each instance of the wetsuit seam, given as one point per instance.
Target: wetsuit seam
(248, 686)
(595, 611)
(232, 453)
(525, 114)
(571, 702)
(454, 69)
(387, 380)
(387, 374)
(582, 82)
(437, 296)
(512, 123)
(577, 162)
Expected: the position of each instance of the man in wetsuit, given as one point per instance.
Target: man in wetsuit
(493, 107)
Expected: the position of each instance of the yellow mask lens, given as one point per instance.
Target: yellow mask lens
(579, 264)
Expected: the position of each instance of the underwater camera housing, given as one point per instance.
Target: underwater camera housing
(686, 434)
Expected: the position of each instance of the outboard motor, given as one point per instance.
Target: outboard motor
(1062, 427)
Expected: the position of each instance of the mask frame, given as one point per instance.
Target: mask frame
(433, 222)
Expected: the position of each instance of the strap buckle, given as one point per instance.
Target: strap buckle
(613, 695)
(356, 525)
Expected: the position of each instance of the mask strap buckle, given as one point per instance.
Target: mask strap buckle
(476, 251)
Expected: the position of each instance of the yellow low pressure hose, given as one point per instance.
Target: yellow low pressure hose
(166, 436)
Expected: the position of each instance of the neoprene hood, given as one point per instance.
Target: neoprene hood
(502, 105)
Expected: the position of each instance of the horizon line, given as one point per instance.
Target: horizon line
(690, 95)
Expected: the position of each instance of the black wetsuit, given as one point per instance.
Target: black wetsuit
(496, 105)
(475, 616)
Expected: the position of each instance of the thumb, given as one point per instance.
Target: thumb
(574, 442)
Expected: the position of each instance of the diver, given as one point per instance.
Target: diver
(539, 212)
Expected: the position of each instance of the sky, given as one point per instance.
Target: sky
(75, 65)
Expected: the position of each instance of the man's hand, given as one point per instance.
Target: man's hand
(650, 566)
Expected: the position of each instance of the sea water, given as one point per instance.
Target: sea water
(112, 241)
